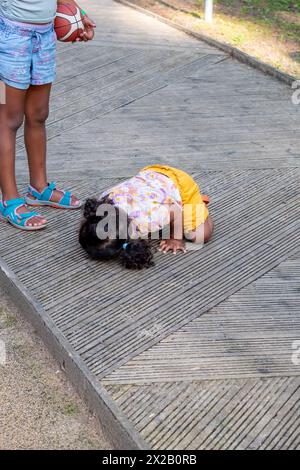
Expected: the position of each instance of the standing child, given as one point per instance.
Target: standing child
(27, 68)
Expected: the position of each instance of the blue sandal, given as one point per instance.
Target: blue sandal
(8, 210)
(44, 198)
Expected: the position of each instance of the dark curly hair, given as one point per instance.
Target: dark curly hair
(133, 253)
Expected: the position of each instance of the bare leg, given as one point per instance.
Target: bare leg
(36, 114)
(11, 118)
(203, 233)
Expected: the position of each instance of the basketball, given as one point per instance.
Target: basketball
(68, 22)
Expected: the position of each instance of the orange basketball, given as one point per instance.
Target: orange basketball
(68, 22)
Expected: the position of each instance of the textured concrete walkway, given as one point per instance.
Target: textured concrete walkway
(197, 351)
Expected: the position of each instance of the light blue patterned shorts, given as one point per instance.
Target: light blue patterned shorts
(27, 54)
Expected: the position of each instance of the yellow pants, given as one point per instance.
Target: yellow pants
(195, 211)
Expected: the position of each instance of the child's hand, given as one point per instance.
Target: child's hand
(172, 245)
(89, 27)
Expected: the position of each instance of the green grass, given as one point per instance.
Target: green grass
(271, 13)
(260, 7)
(238, 39)
(9, 321)
(2, 312)
(266, 29)
(71, 409)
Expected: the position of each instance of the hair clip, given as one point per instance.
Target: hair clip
(125, 246)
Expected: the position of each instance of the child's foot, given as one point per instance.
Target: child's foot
(36, 221)
(50, 196)
(20, 216)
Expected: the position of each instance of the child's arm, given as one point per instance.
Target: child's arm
(89, 25)
(201, 235)
(175, 242)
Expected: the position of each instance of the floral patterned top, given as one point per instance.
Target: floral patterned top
(146, 198)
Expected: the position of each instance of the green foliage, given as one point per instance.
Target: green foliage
(262, 7)
(273, 14)
(266, 29)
